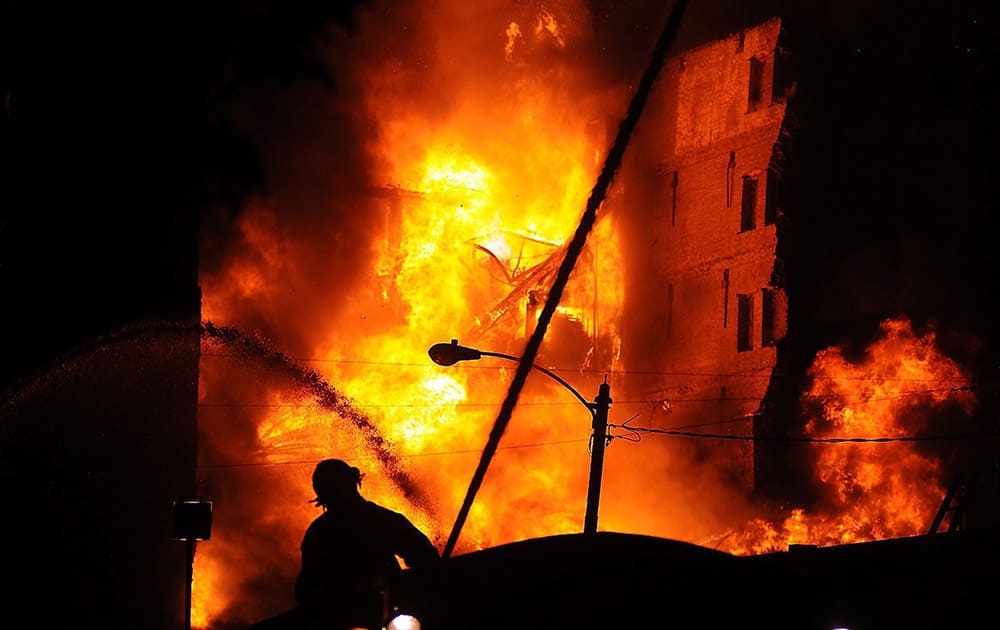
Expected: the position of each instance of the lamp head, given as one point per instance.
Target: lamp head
(452, 353)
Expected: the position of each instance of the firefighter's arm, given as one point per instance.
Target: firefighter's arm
(413, 546)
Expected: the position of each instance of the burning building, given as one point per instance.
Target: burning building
(717, 218)
(685, 299)
(682, 299)
(769, 265)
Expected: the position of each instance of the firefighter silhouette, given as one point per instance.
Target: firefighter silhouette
(349, 551)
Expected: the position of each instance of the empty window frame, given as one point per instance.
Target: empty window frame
(755, 90)
(771, 197)
(744, 322)
(768, 313)
(730, 178)
(748, 204)
(781, 82)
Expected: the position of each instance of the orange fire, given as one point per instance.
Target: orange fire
(483, 167)
(874, 490)
(468, 233)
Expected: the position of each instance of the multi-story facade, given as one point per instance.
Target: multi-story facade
(705, 306)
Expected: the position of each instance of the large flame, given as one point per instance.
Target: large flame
(874, 490)
(479, 201)
(483, 163)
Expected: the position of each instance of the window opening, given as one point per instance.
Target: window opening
(730, 174)
(771, 197)
(781, 80)
(767, 334)
(748, 203)
(756, 88)
(744, 322)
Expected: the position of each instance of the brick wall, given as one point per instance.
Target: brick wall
(693, 248)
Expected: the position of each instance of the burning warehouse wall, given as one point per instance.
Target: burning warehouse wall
(826, 338)
(700, 209)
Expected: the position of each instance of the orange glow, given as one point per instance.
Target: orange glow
(254, 273)
(871, 491)
(480, 198)
(483, 160)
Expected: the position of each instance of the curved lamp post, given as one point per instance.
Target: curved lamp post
(451, 353)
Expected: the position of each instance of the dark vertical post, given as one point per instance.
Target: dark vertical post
(191, 542)
(600, 440)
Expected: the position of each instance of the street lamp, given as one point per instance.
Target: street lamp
(451, 353)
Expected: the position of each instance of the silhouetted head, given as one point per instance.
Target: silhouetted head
(334, 481)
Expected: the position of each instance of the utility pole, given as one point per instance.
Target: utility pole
(599, 441)
(452, 353)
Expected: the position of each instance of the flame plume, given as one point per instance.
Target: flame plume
(471, 188)
(904, 386)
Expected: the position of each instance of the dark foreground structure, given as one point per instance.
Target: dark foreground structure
(610, 580)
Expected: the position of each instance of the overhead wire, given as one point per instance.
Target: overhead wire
(763, 373)
(860, 399)
(676, 431)
(402, 455)
(807, 439)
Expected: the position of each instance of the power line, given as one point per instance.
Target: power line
(761, 374)
(655, 401)
(782, 438)
(708, 424)
(229, 355)
(847, 398)
(401, 456)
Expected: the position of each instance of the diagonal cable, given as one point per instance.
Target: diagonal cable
(597, 195)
